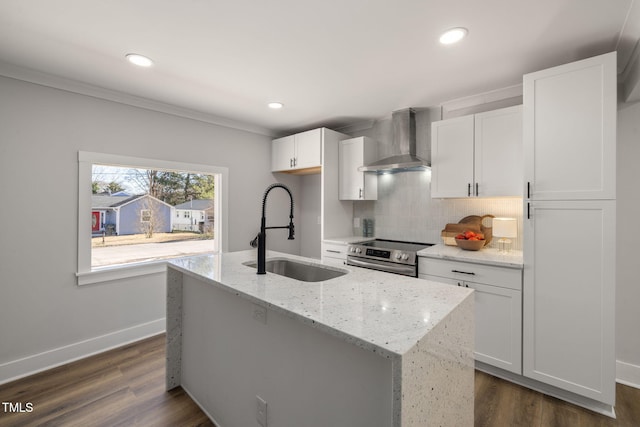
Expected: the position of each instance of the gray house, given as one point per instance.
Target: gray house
(129, 214)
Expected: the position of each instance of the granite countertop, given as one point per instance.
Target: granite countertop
(381, 312)
(347, 240)
(488, 256)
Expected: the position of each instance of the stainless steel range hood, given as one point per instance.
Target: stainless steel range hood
(403, 146)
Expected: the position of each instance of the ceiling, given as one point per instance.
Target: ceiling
(331, 62)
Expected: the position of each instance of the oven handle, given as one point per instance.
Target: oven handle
(407, 270)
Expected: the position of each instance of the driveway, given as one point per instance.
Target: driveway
(148, 251)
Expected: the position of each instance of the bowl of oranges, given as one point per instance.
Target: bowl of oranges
(470, 241)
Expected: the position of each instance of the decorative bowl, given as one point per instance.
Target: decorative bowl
(470, 245)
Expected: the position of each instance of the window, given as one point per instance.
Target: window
(116, 207)
(145, 215)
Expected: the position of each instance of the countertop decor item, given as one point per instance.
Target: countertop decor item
(473, 223)
(470, 245)
(505, 228)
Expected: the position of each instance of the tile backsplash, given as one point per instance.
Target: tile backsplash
(405, 210)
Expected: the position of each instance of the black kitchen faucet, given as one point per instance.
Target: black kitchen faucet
(261, 237)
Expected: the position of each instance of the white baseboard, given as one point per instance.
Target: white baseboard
(628, 374)
(30, 365)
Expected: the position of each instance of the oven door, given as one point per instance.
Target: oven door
(389, 267)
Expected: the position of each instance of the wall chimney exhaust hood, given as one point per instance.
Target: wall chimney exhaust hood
(403, 147)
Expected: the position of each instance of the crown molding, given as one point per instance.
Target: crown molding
(78, 87)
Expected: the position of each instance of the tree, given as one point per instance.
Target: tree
(151, 219)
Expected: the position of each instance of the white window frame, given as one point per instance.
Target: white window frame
(88, 275)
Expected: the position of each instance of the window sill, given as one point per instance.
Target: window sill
(107, 274)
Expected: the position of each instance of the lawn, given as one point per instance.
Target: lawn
(136, 239)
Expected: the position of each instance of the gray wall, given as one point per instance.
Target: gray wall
(628, 207)
(41, 131)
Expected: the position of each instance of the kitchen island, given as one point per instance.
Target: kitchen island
(364, 349)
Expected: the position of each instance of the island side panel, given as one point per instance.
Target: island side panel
(174, 328)
(438, 373)
(307, 377)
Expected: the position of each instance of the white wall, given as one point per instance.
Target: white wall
(309, 230)
(44, 316)
(627, 238)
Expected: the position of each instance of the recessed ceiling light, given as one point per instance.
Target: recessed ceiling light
(275, 105)
(453, 35)
(139, 60)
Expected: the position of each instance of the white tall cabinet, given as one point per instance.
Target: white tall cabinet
(569, 128)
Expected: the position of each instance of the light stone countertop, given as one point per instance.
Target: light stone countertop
(488, 256)
(382, 312)
(347, 240)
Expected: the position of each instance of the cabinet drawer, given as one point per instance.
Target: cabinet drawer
(334, 250)
(478, 273)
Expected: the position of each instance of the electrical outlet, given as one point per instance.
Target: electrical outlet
(260, 313)
(356, 222)
(261, 411)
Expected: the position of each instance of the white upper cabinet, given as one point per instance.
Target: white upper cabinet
(452, 157)
(498, 153)
(356, 185)
(478, 155)
(570, 130)
(302, 151)
(282, 153)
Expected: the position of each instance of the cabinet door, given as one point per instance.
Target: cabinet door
(350, 159)
(498, 326)
(308, 149)
(498, 323)
(452, 157)
(498, 153)
(569, 123)
(569, 296)
(282, 153)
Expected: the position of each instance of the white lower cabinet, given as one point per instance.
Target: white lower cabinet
(334, 253)
(498, 307)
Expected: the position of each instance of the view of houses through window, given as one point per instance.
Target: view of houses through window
(139, 215)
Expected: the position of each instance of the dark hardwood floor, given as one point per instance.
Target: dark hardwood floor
(125, 387)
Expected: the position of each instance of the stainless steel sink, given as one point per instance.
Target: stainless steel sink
(299, 270)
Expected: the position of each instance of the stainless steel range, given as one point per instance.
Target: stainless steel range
(391, 256)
